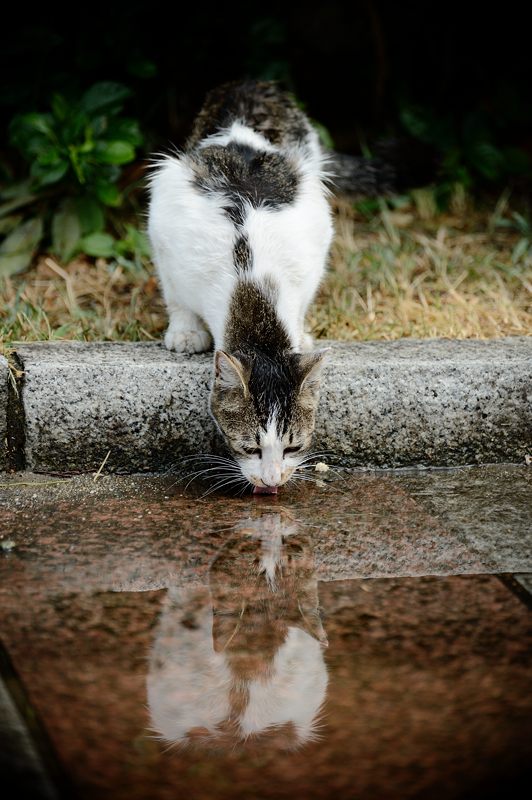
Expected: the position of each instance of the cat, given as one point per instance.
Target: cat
(242, 660)
(240, 227)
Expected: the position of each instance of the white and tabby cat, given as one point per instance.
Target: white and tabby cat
(242, 660)
(240, 229)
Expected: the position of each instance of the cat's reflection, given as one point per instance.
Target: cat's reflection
(242, 659)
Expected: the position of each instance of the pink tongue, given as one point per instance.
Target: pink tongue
(265, 490)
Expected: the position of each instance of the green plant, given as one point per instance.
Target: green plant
(469, 148)
(76, 152)
(515, 222)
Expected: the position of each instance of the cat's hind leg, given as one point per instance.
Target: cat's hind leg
(186, 332)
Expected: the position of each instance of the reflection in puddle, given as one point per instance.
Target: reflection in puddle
(242, 659)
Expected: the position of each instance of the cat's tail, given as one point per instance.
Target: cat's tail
(396, 165)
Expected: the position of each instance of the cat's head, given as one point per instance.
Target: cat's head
(266, 411)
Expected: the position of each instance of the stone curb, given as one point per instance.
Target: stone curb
(4, 400)
(383, 404)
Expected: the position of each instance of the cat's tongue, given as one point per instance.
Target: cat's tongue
(265, 489)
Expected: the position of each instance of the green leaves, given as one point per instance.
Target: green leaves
(468, 146)
(90, 214)
(108, 194)
(75, 152)
(98, 244)
(66, 232)
(104, 96)
(78, 139)
(18, 248)
(114, 152)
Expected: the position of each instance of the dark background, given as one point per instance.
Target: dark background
(359, 68)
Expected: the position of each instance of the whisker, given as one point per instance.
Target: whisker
(223, 484)
(304, 477)
(202, 472)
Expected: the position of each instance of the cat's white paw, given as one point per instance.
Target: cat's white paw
(307, 343)
(196, 341)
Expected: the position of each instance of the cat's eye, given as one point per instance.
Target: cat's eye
(253, 451)
(289, 450)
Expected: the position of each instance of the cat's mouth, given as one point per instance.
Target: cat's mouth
(265, 489)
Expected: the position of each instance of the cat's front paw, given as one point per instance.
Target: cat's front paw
(187, 341)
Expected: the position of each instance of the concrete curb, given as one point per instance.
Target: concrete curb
(4, 401)
(384, 404)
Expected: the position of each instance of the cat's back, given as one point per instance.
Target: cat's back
(251, 145)
(260, 105)
(246, 196)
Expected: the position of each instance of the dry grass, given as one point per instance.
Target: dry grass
(397, 274)
(84, 300)
(400, 275)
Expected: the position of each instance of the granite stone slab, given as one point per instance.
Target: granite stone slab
(422, 692)
(127, 533)
(147, 406)
(488, 509)
(4, 395)
(433, 402)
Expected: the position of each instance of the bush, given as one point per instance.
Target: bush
(75, 153)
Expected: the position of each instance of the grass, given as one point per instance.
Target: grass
(397, 270)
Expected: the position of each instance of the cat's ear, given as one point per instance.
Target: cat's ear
(229, 372)
(311, 369)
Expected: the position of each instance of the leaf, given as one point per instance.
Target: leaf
(90, 214)
(49, 155)
(32, 123)
(17, 249)
(138, 240)
(109, 194)
(31, 132)
(60, 107)
(98, 244)
(125, 130)
(17, 202)
(46, 175)
(8, 223)
(115, 152)
(66, 232)
(415, 122)
(16, 189)
(104, 95)
(520, 250)
(487, 159)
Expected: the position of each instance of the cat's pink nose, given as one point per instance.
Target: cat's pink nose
(272, 475)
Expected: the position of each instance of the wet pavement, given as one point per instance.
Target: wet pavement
(359, 637)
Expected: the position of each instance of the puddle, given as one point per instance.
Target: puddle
(327, 643)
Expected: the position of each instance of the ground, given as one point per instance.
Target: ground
(397, 269)
(412, 659)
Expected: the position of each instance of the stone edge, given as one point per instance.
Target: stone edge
(12, 410)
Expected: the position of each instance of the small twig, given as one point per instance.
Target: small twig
(102, 465)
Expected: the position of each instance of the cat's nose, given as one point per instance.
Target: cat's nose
(272, 475)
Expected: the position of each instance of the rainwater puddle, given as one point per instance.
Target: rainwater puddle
(360, 639)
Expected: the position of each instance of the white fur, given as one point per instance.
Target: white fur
(192, 240)
(189, 684)
(272, 468)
